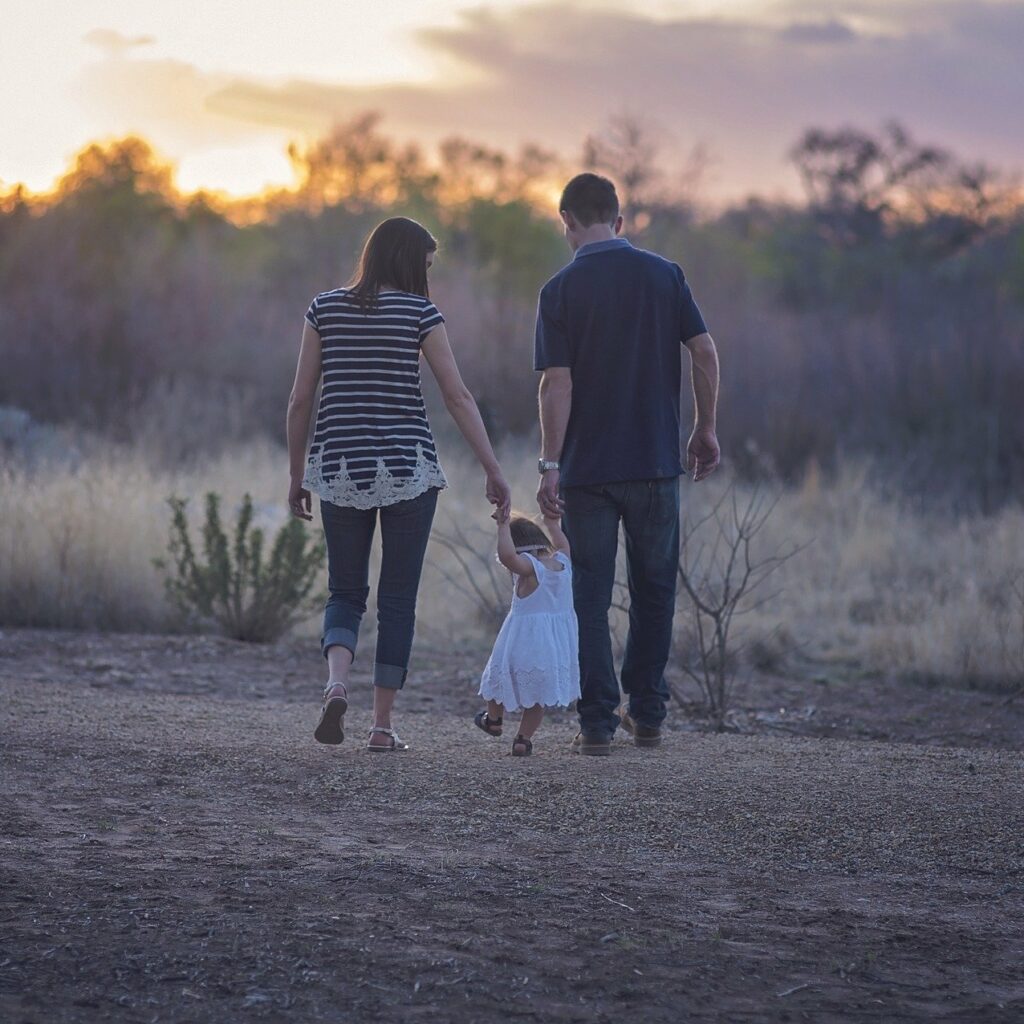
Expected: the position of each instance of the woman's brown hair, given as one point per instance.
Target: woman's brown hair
(395, 254)
(527, 534)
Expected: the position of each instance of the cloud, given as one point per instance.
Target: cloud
(832, 31)
(164, 99)
(552, 72)
(114, 44)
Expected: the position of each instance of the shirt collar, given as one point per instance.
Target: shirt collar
(592, 247)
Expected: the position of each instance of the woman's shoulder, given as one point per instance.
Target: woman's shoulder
(333, 294)
(422, 303)
(324, 302)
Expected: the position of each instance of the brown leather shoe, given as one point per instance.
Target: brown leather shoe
(646, 735)
(592, 746)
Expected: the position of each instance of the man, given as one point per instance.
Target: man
(610, 331)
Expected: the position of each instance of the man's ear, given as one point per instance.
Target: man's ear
(617, 226)
(568, 219)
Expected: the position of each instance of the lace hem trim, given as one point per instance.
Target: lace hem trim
(527, 688)
(550, 679)
(524, 705)
(386, 489)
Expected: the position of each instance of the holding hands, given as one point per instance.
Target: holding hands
(499, 494)
(548, 498)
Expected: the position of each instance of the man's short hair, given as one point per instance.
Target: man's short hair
(591, 199)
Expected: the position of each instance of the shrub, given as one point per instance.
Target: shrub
(248, 597)
(719, 573)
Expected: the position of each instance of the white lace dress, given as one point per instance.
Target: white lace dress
(536, 656)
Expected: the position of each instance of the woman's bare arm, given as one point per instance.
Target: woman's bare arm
(300, 409)
(463, 409)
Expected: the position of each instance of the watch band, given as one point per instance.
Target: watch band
(543, 465)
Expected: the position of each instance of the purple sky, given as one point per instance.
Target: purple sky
(743, 86)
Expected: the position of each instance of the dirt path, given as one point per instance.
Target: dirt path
(193, 856)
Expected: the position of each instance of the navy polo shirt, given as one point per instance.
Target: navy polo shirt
(618, 316)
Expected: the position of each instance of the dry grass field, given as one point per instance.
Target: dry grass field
(878, 586)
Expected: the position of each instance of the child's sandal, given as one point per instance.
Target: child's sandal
(491, 726)
(525, 744)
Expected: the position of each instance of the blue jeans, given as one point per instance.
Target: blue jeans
(405, 530)
(649, 513)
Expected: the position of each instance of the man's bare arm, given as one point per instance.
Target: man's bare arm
(702, 452)
(555, 406)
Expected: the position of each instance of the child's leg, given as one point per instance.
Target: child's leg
(531, 720)
(491, 719)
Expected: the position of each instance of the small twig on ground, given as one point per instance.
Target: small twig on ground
(790, 991)
(632, 910)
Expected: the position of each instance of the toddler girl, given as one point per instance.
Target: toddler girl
(535, 662)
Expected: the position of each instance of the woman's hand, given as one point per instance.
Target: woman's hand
(300, 503)
(499, 493)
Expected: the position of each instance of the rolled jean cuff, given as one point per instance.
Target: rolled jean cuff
(338, 636)
(389, 677)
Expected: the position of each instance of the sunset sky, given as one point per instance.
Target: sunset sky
(221, 94)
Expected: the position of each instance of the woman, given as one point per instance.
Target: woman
(373, 455)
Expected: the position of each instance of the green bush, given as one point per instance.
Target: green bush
(247, 596)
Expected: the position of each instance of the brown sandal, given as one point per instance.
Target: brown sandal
(527, 745)
(491, 726)
(331, 727)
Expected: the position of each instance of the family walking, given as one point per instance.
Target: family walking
(611, 326)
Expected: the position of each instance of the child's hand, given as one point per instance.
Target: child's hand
(548, 518)
(499, 518)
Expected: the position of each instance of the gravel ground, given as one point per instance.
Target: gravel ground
(176, 848)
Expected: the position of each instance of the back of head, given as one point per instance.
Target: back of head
(395, 254)
(527, 535)
(590, 199)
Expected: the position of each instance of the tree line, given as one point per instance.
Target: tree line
(883, 316)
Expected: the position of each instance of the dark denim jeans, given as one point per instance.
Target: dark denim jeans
(649, 513)
(405, 530)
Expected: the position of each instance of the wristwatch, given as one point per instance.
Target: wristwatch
(543, 465)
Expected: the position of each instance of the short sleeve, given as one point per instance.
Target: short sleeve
(551, 340)
(430, 317)
(312, 317)
(691, 323)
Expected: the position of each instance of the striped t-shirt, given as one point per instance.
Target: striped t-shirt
(373, 445)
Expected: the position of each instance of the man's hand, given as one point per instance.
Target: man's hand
(702, 453)
(300, 504)
(551, 504)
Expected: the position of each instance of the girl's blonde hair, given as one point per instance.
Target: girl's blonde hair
(527, 535)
